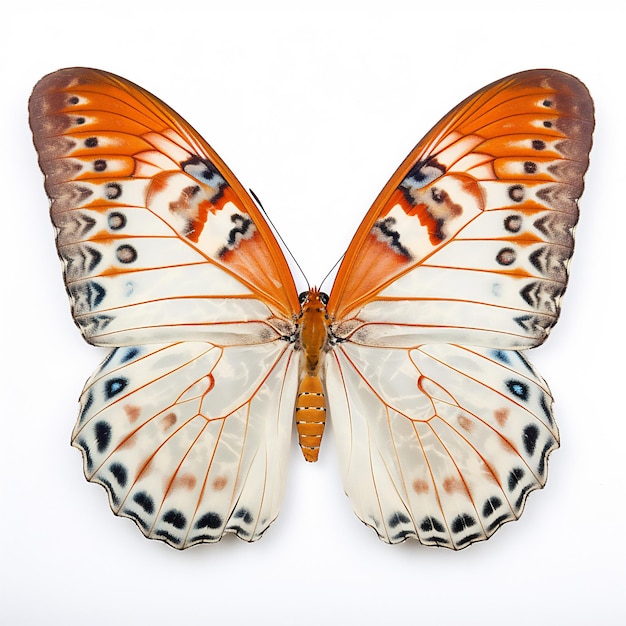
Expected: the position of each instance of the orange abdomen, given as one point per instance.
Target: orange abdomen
(310, 416)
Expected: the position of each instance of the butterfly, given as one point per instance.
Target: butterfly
(443, 427)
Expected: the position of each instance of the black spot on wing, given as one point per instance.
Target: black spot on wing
(516, 193)
(86, 406)
(102, 432)
(144, 501)
(429, 524)
(87, 452)
(209, 520)
(115, 386)
(496, 523)
(175, 518)
(461, 523)
(116, 220)
(506, 256)
(384, 231)
(502, 356)
(398, 518)
(243, 229)
(120, 473)
(541, 466)
(515, 476)
(518, 388)
(112, 191)
(204, 538)
(135, 516)
(109, 487)
(465, 541)
(241, 532)
(99, 165)
(531, 433)
(433, 525)
(545, 407)
(513, 223)
(202, 170)
(129, 355)
(422, 174)
(164, 534)
(244, 515)
(522, 496)
(126, 254)
(491, 505)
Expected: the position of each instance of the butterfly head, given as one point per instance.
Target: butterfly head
(314, 297)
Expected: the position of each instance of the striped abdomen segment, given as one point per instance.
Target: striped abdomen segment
(310, 416)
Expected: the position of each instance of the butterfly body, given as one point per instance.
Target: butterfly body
(442, 425)
(314, 343)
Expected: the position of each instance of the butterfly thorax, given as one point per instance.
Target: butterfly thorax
(311, 403)
(313, 325)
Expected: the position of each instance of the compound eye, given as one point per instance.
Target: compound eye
(324, 298)
(302, 297)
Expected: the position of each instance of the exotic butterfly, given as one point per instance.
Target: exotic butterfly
(443, 427)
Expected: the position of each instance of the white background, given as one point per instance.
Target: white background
(313, 109)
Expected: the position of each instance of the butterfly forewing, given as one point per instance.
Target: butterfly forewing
(473, 234)
(157, 237)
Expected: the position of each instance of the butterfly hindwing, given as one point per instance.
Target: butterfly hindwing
(441, 443)
(191, 440)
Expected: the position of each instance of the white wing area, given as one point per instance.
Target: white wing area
(441, 442)
(481, 288)
(133, 278)
(191, 440)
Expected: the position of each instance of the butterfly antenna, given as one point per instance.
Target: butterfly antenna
(333, 270)
(277, 233)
